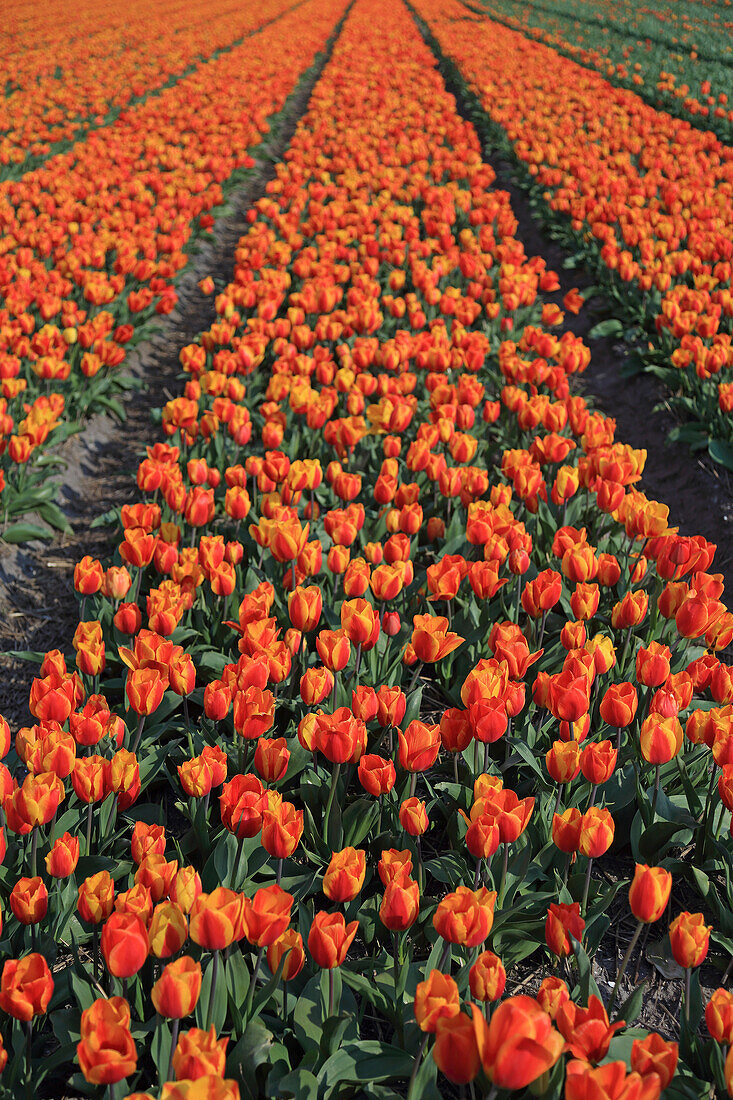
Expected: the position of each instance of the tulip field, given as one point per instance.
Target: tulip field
(390, 754)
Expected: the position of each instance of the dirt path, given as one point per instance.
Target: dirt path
(38, 605)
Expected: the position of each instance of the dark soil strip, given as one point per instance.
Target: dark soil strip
(39, 609)
(700, 496)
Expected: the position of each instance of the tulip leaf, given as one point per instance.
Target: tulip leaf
(238, 977)
(212, 1005)
(252, 1051)
(55, 517)
(25, 532)
(611, 327)
(308, 1015)
(586, 981)
(364, 1061)
(371, 992)
(630, 1009)
(655, 840)
(721, 451)
(161, 1048)
(359, 820)
(301, 1083)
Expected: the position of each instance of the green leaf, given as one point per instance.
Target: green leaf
(25, 532)
(212, 1005)
(300, 1083)
(655, 840)
(364, 1062)
(722, 452)
(359, 820)
(55, 517)
(631, 1007)
(161, 1048)
(252, 1051)
(610, 327)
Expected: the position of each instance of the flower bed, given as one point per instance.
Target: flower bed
(393, 652)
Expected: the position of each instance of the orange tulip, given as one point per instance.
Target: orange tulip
(518, 1045)
(177, 990)
(436, 998)
(649, 892)
(330, 938)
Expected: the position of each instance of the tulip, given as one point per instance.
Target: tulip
(124, 943)
(96, 897)
(648, 896)
(435, 998)
(618, 705)
(553, 993)
(290, 947)
(689, 937)
(610, 1081)
(649, 893)
(199, 1054)
(26, 987)
(29, 900)
(654, 1055)
(61, 861)
(106, 1052)
(562, 922)
(466, 916)
(400, 904)
(587, 1031)
(518, 1045)
(266, 916)
(376, 775)
(719, 1016)
(487, 977)
(168, 930)
(177, 990)
(329, 939)
(344, 875)
(215, 918)
(455, 1050)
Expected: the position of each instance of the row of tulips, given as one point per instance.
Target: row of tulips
(93, 241)
(59, 85)
(682, 66)
(392, 653)
(642, 196)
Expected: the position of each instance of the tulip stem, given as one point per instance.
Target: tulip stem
(175, 1024)
(504, 869)
(416, 1067)
(34, 852)
(624, 964)
(29, 1058)
(688, 972)
(89, 827)
(706, 815)
(139, 733)
(656, 793)
(331, 992)
(253, 982)
(557, 799)
(332, 793)
(212, 990)
(586, 886)
(542, 629)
